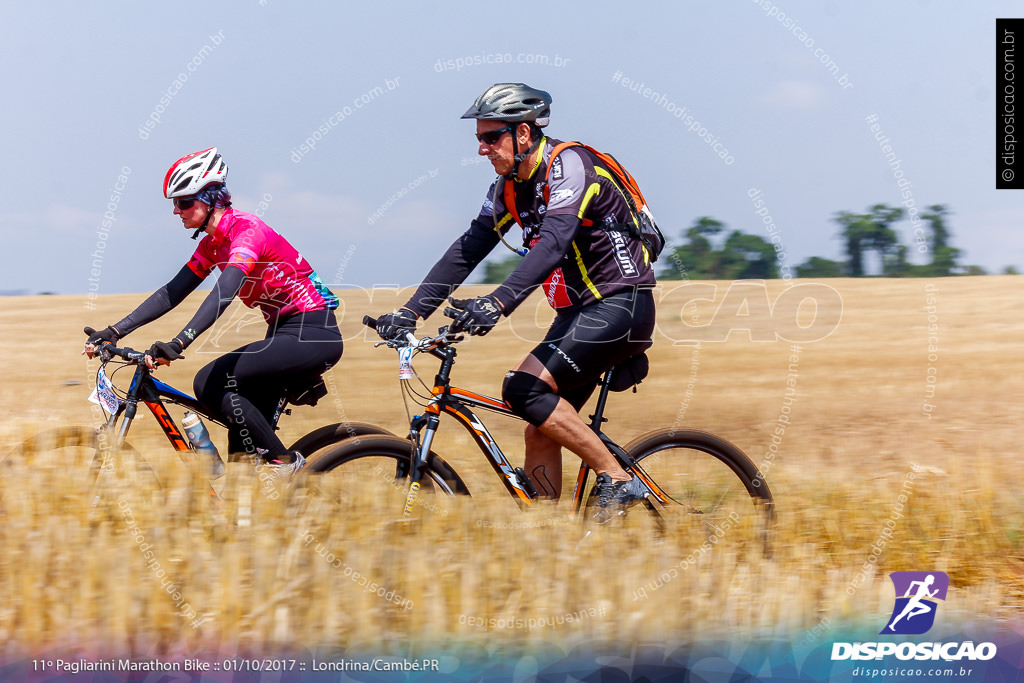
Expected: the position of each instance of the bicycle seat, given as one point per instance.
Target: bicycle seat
(630, 372)
(306, 392)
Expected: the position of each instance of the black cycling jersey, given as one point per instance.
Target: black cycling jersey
(579, 261)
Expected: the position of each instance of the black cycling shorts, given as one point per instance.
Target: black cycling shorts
(242, 387)
(581, 344)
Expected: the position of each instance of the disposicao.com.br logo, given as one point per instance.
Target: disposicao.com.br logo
(916, 596)
(913, 613)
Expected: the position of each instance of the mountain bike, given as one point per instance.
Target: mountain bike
(106, 450)
(694, 478)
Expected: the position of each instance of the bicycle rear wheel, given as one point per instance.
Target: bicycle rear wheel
(708, 490)
(376, 463)
(334, 433)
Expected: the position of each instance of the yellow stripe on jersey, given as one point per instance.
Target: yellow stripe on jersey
(605, 174)
(502, 222)
(583, 272)
(540, 157)
(593, 190)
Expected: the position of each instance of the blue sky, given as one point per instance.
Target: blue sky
(394, 179)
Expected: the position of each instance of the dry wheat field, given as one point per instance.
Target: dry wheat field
(897, 417)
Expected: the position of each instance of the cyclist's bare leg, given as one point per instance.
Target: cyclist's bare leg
(543, 463)
(565, 427)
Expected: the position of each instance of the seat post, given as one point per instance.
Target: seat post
(279, 411)
(602, 398)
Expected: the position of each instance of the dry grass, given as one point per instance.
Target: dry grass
(477, 571)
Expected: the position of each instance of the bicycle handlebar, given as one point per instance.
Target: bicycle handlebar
(443, 338)
(107, 350)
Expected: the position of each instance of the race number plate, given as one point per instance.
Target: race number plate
(405, 363)
(103, 394)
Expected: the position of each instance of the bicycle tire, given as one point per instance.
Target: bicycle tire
(710, 486)
(328, 435)
(383, 455)
(77, 453)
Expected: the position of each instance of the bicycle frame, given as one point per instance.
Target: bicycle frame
(152, 392)
(459, 404)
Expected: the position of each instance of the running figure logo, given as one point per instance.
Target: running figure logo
(917, 595)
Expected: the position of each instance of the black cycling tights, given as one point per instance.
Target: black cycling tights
(242, 387)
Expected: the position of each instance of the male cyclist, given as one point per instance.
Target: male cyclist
(241, 387)
(598, 279)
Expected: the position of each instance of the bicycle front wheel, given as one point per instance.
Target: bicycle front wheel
(376, 463)
(707, 490)
(74, 460)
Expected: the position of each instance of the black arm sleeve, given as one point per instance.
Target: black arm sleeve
(228, 285)
(556, 234)
(160, 301)
(454, 267)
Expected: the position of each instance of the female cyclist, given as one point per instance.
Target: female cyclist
(262, 268)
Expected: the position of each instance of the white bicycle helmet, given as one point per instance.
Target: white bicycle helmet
(191, 173)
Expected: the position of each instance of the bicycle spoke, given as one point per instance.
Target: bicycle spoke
(708, 490)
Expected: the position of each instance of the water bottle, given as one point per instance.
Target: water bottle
(199, 436)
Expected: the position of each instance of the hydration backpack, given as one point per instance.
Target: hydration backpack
(642, 226)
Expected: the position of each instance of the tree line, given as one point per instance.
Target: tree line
(710, 252)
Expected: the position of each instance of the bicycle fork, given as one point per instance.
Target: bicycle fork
(419, 450)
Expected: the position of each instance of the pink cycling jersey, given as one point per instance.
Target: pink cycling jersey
(278, 279)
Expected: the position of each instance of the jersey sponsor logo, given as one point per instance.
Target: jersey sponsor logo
(555, 290)
(560, 195)
(556, 169)
(623, 259)
(241, 256)
(565, 357)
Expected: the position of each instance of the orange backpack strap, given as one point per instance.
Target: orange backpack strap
(508, 189)
(551, 162)
(508, 194)
(623, 175)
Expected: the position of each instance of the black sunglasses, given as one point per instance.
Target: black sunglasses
(492, 136)
(184, 204)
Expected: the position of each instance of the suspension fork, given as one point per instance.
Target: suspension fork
(127, 410)
(421, 436)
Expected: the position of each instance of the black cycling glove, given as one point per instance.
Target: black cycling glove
(165, 351)
(103, 336)
(479, 316)
(394, 326)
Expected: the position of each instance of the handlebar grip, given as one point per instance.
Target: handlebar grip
(370, 322)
